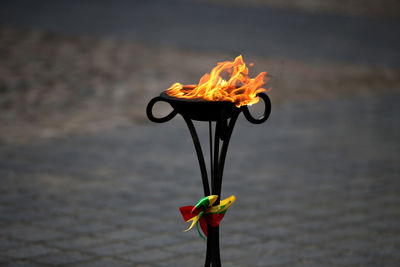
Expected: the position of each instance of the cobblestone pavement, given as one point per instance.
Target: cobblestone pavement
(317, 185)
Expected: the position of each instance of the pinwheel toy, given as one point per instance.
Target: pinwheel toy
(204, 213)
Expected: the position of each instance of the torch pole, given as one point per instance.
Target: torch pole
(223, 133)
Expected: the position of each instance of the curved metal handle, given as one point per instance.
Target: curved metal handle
(149, 112)
(267, 110)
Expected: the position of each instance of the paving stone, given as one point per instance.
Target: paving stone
(148, 256)
(76, 243)
(390, 252)
(125, 234)
(104, 262)
(89, 228)
(311, 254)
(273, 232)
(233, 264)
(92, 214)
(111, 249)
(160, 227)
(268, 260)
(6, 244)
(307, 262)
(191, 247)
(133, 220)
(315, 225)
(29, 251)
(24, 215)
(352, 245)
(311, 238)
(232, 254)
(63, 258)
(31, 234)
(346, 260)
(183, 260)
(238, 239)
(57, 222)
(21, 263)
(269, 247)
(160, 240)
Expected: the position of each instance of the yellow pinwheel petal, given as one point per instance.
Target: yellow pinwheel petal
(223, 206)
(194, 220)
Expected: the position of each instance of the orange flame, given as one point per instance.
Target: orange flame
(228, 81)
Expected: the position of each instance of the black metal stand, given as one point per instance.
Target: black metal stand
(224, 115)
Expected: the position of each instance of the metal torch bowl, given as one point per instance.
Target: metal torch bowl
(205, 110)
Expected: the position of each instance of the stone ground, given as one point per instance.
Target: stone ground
(316, 186)
(86, 180)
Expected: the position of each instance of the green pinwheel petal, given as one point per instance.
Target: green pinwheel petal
(203, 203)
(198, 230)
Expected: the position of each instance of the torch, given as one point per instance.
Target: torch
(218, 98)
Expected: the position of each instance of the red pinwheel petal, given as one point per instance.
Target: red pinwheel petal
(195, 210)
(186, 212)
(215, 219)
(203, 225)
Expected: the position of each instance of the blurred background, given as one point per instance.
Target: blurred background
(86, 179)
